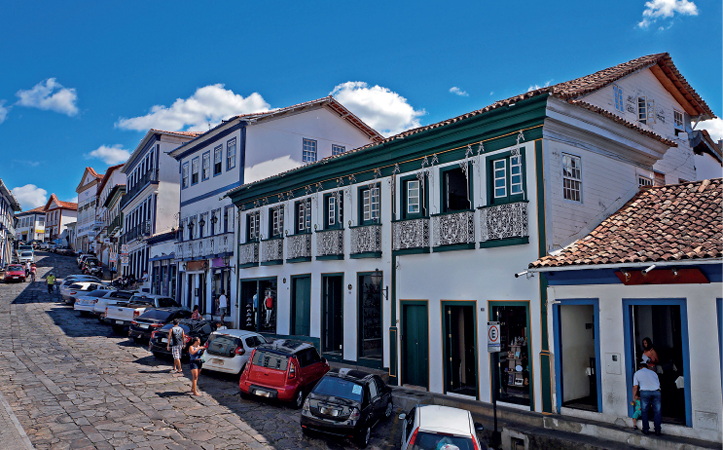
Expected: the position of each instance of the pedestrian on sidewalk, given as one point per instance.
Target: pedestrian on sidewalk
(194, 353)
(647, 385)
(222, 305)
(196, 315)
(50, 281)
(176, 338)
(33, 272)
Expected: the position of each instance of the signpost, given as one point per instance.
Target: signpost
(494, 346)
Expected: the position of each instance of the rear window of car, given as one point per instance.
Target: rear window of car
(98, 293)
(15, 268)
(270, 360)
(155, 314)
(337, 387)
(118, 294)
(431, 441)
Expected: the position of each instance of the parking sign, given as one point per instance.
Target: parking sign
(493, 337)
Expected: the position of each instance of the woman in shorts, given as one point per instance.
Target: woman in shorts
(194, 352)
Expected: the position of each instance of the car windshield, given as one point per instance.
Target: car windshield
(155, 314)
(270, 360)
(15, 268)
(26, 254)
(337, 387)
(432, 441)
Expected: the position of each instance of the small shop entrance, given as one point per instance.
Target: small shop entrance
(575, 325)
(332, 315)
(664, 323)
(301, 305)
(258, 305)
(513, 364)
(370, 319)
(415, 343)
(460, 348)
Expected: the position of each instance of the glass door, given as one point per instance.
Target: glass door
(514, 370)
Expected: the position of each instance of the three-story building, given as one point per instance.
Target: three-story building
(87, 227)
(8, 206)
(31, 225)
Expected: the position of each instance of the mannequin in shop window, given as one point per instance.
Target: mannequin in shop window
(269, 305)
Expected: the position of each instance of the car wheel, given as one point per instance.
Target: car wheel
(299, 399)
(117, 329)
(389, 410)
(245, 396)
(364, 436)
(138, 340)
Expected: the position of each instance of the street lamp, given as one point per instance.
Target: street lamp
(377, 276)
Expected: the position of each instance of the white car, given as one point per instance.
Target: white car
(111, 298)
(70, 290)
(432, 427)
(86, 303)
(229, 350)
(26, 256)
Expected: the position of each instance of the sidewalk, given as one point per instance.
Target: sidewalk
(12, 435)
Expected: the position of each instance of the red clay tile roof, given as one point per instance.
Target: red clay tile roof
(94, 173)
(61, 204)
(39, 209)
(667, 223)
(180, 133)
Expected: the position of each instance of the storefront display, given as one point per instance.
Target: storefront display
(258, 309)
(514, 361)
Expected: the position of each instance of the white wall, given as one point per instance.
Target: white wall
(578, 346)
(705, 377)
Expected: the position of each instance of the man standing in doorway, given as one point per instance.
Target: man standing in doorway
(50, 281)
(222, 305)
(647, 385)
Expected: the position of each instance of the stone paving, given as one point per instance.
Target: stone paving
(72, 384)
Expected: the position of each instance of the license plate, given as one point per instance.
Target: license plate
(330, 411)
(217, 361)
(145, 327)
(119, 322)
(261, 393)
(164, 340)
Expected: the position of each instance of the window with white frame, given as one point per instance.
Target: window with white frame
(231, 154)
(253, 220)
(506, 175)
(413, 197)
(644, 181)
(303, 216)
(217, 157)
(370, 204)
(618, 94)
(194, 170)
(646, 110)
(277, 221)
(678, 120)
(333, 210)
(184, 175)
(571, 178)
(337, 149)
(309, 151)
(206, 166)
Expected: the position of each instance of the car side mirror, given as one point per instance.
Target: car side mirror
(478, 427)
(402, 416)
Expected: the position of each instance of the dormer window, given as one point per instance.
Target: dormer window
(618, 94)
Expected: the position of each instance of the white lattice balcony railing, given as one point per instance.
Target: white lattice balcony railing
(330, 243)
(248, 253)
(505, 221)
(410, 233)
(272, 250)
(366, 239)
(453, 228)
(298, 246)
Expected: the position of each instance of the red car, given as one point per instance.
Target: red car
(284, 369)
(14, 272)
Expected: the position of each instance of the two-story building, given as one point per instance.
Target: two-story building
(31, 225)
(104, 243)
(8, 206)
(241, 150)
(58, 214)
(87, 227)
(397, 254)
(150, 203)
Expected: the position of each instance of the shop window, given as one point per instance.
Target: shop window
(333, 211)
(455, 190)
(258, 310)
(514, 370)
(370, 204)
(303, 216)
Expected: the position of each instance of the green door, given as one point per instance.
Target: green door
(301, 306)
(415, 344)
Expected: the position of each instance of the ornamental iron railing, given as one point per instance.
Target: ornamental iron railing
(298, 246)
(248, 253)
(272, 250)
(505, 221)
(330, 243)
(366, 239)
(410, 233)
(453, 228)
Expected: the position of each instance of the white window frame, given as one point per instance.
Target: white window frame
(206, 166)
(646, 113)
(571, 178)
(499, 174)
(254, 224)
(644, 181)
(277, 221)
(331, 212)
(678, 120)
(414, 203)
(195, 171)
(371, 204)
(218, 159)
(231, 154)
(309, 151)
(618, 94)
(337, 149)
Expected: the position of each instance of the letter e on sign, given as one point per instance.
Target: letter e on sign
(493, 337)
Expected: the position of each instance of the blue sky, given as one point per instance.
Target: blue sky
(82, 81)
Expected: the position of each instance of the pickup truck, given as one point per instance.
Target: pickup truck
(121, 315)
(111, 298)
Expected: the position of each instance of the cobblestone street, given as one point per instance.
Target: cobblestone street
(71, 383)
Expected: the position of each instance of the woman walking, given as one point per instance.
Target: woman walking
(194, 353)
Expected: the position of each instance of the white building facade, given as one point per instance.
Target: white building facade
(31, 225)
(86, 227)
(58, 214)
(106, 212)
(8, 234)
(243, 150)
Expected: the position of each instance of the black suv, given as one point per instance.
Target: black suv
(192, 328)
(347, 403)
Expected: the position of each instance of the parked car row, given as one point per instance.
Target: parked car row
(340, 402)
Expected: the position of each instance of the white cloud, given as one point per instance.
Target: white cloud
(665, 9)
(457, 91)
(3, 111)
(30, 196)
(110, 155)
(537, 86)
(714, 127)
(382, 109)
(268, 168)
(50, 95)
(209, 104)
